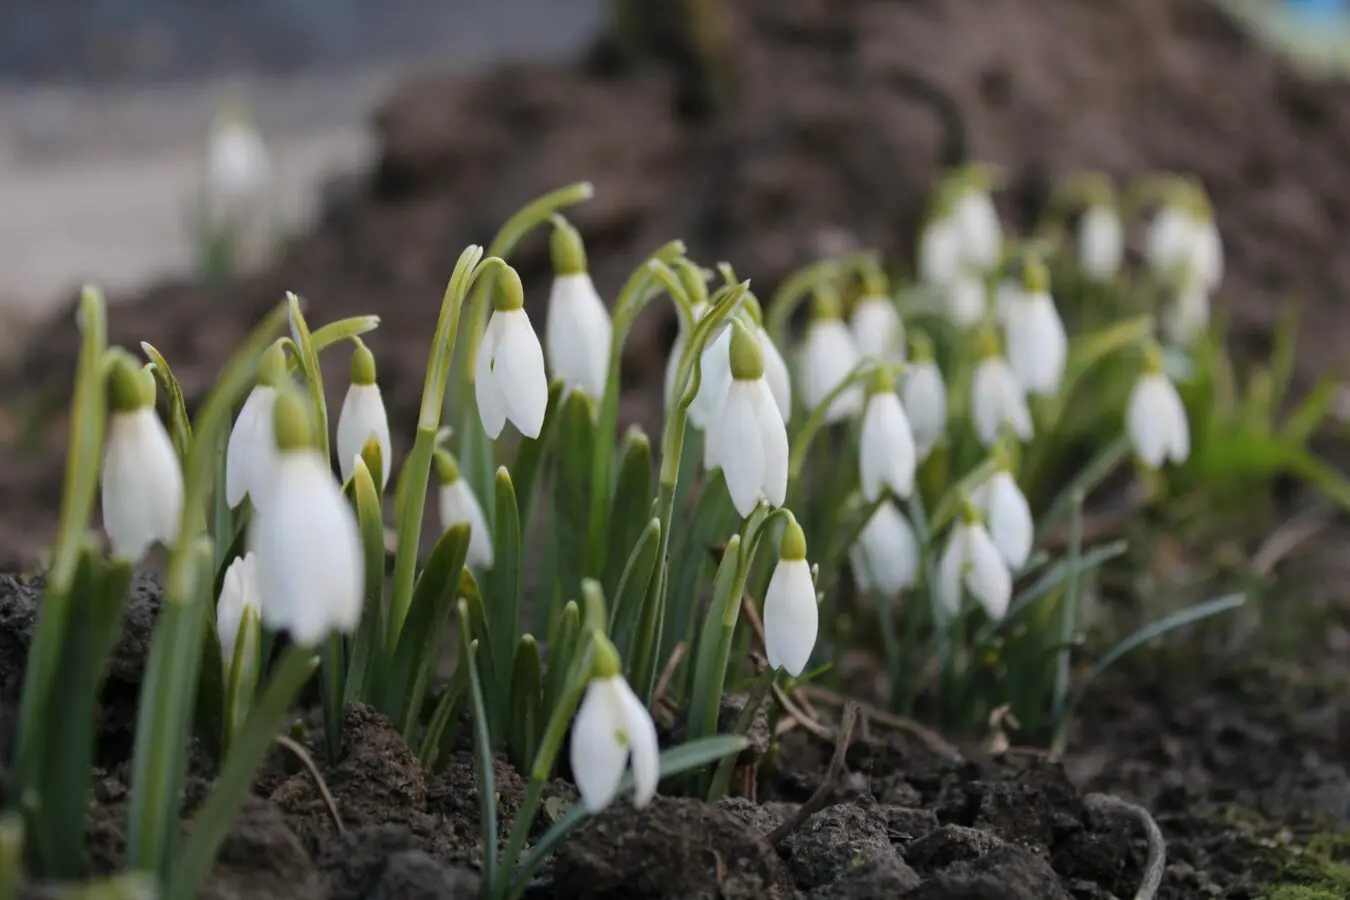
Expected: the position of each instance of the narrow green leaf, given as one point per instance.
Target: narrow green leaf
(1323, 476)
(1059, 574)
(625, 615)
(1107, 460)
(504, 600)
(241, 680)
(632, 506)
(11, 855)
(562, 649)
(1284, 353)
(367, 654)
(342, 330)
(1312, 411)
(309, 362)
(530, 455)
(713, 519)
(526, 719)
(572, 489)
(438, 742)
(180, 428)
(482, 744)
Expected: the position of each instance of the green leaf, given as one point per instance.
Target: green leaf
(1283, 353)
(309, 363)
(180, 428)
(1107, 460)
(503, 601)
(11, 855)
(241, 683)
(950, 503)
(632, 506)
(714, 518)
(563, 644)
(482, 745)
(438, 742)
(1058, 575)
(367, 652)
(526, 719)
(1312, 411)
(1323, 476)
(529, 459)
(572, 489)
(626, 614)
(342, 330)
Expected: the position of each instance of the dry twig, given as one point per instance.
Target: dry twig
(817, 800)
(663, 683)
(800, 716)
(297, 750)
(930, 738)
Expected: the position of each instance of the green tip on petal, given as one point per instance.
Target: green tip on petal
(510, 294)
(566, 248)
(1035, 276)
(1153, 358)
(363, 364)
(969, 514)
(755, 312)
(875, 283)
(693, 280)
(607, 663)
(882, 381)
(825, 304)
(987, 343)
(447, 468)
(747, 360)
(1003, 455)
(126, 385)
(291, 420)
(792, 546)
(373, 457)
(921, 347)
(272, 367)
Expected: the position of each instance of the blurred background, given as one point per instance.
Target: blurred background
(391, 133)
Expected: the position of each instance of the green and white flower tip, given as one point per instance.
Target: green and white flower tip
(775, 367)
(363, 416)
(1155, 418)
(885, 558)
(142, 491)
(1186, 318)
(1101, 240)
(612, 730)
(828, 358)
(980, 234)
(695, 283)
(878, 330)
(748, 439)
(310, 567)
(997, 398)
(579, 329)
(509, 379)
(923, 394)
(252, 448)
(887, 454)
(971, 562)
(459, 506)
(238, 596)
(791, 617)
(1003, 505)
(1037, 345)
(1183, 236)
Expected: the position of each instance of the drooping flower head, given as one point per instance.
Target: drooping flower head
(459, 506)
(1155, 417)
(252, 449)
(923, 394)
(997, 400)
(363, 416)
(1004, 508)
(791, 617)
(509, 379)
(1037, 345)
(775, 368)
(828, 358)
(238, 606)
(878, 330)
(971, 563)
(1101, 240)
(886, 557)
(579, 328)
(748, 439)
(886, 455)
(612, 731)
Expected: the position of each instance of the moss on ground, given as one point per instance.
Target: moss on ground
(1318, 871)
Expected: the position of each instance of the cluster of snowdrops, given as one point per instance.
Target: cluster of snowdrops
(869, 457)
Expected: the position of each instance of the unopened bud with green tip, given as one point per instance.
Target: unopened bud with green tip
(792, 545)
(747, 360)
(363, 364)
(997, 398)
(272, 366)
(881, 380)
(1155, 417)
(459, 506)
(694, 281)
(291, 422)
(923, 396)
(1035, 275)
(747, 436)
(566, 248)
(127, 390)
(606, 662)
(510, 383)
(791, 615)
(363, 419)
(826, 305)
(510, 293)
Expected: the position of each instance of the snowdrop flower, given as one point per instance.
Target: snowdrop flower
(828, 358)
(977, 224)
(578, 327)
(923, 394)
(939, 251)
(142, 479)
(310, 567)
(878, 330)
(459, 506)
(887, 455)
(363, 417)
(965, 297)
(791, 618)
(997, 398)
(714, 379)
(238, 600)
(1101, 241)
(1184, 238)
(1155, 418)
(252, 449)
(748, 438)
(612, 730)
(776, 373)
(1037, 345)
(1187, 317)
(972, 563)
(885, 558)
(1003, 505)
(509, 379)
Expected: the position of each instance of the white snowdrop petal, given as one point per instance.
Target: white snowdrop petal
(791, 619)
(939, 252)
(459, 506)
(643, 749)
(773, 436)
(887, 454)
(949, 584)
(491, 403)
(518, 369)
(997, 398)
(239, 591)
(1187, 317)
(578, 331)
(251, 449)
(828, 358)
(966, 300)
(1207, 253)
(1150, 418)
(986, 575)
(878, 330)
(890, 550)
(714, 380)
(776, 374)
(741, 450)
(142, 490)
(981, 233)
(1037, 346)
(924, 397)
(1169, 240)
(1179, 447)
(1009, 516)
(598, 758)
(362, 415)
(1101, 242)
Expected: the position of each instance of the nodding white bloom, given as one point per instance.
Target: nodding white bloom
(612, 730)
(828, 358)
(924, 397)
(885, 558)
(238, 597)
(886, 454)
(1186, 318)
(1155, 417)
(748, 439)
(997, 398)
(310, 566)
(981, 235)
(791, 617)
(776, 373)
(1183, 237)
(1037, 345)
(578, 329)
(1003, 505)
(714, 379)
(509, 379)
(362, 417)
(142, 480)
(966, 301)
(971, 562)
(878, 330)
(459, 506)
(238, 170)
(252, 449)
(939, 251)
(1101, 242)
(1008, 291)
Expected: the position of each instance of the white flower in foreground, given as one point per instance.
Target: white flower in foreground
(578, 329)
(972, 563)
(886, 452)
(1003, 505)
(1037, 345)
(791, 617)
(965, 299)
(612, 730)
(981, 235)
(939, 252)
(924, 397)
(310, 566)
(1155, 418)
(142, 480)
(509, 378)
(714, 379)
(459, 506)
(363, 416)
(828, 358)
(1101, 242)
(997, 399)
(748, 439)
(252, 448)
(1186, 318)
(238, 597)
(878, 330)
(885, 558)
(776, 373)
